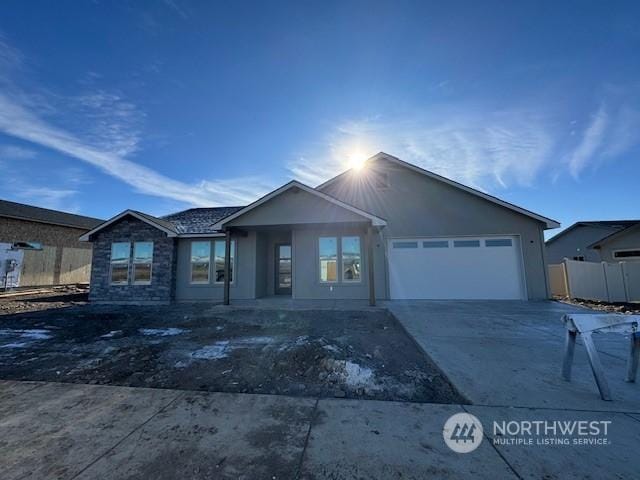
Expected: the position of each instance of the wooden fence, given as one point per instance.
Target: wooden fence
(48, 266)
(607, 282)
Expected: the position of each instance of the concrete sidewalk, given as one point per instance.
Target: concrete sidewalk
(68, 431)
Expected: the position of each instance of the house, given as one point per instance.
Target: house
(390, 230)
(40, 247)
(623, 245)
(582, 241)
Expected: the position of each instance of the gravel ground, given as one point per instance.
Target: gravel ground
(320, 353)
(57, 297)
(630, 308)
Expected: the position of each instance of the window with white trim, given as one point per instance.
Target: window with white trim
(200, 261)
(218, 255)
(328, 253)
(120, 254)
(142, 262)
(351, 259)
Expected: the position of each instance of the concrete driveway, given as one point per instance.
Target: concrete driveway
(505, 357)
(509, 353)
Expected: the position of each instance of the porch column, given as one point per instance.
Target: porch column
(227, 265)
(372, 287)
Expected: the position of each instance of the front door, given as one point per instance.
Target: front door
(283, 269)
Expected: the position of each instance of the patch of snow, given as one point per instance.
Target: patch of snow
(237, 342)
(33, 334)
(331, 348)
(15, 345)
(213, 352)
(161, 332)
(358, 376)
(219, 328)
(111, 334)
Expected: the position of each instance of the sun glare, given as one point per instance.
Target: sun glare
(357, 160)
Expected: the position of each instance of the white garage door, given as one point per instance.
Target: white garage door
(475, 268)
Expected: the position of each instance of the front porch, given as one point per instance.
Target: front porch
(307, 245)
(323, 263)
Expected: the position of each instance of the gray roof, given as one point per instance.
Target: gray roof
(609, 224)
(45, 215)
(198, 220)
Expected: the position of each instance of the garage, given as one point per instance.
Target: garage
(473, 268)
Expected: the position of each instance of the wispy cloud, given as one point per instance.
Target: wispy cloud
(479, 147)
(479, 150)
(591, 142)
(14, 152)
(103, 129)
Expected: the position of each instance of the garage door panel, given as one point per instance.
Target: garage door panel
(467, 268)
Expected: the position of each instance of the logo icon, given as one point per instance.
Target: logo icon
(462, 432)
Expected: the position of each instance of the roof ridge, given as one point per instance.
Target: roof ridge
(50, 209)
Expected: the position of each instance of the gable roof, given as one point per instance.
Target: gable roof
(196, 221)
(549, 223)
(156, 222)
(20, 211)
(623, 231)
(604, 224)
(375, 221)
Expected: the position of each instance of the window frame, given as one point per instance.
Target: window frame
(623, 258)
(341, 254)
(127, 263)
(234, 273)
(191, 281)
(134, 263)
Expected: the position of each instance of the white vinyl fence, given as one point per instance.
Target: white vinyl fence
(607, 282)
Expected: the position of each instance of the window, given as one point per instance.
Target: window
(218, 256)
(26, 246)
(626, 253)
(498, 242)
(328, 259)
(200, 260)
(142, 260)
(466, 243)
(120, 253)
(351, 259)
(405, 244)
(436, 244)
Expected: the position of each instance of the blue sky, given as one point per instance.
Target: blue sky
(159, 106)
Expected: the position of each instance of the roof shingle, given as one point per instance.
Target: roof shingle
(198, 220)
(45, 215)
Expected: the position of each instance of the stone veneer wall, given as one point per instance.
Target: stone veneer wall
(130, 229)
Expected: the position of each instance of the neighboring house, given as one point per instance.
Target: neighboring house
(39, 246)
(578, 241)
(389, 231)
(620, 246)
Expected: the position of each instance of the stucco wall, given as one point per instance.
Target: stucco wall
(626, 241)
(416, 205)
(48, 266)
(575, 242)
(306, 266)
(132, 230)
(244, 281)
(293, 207)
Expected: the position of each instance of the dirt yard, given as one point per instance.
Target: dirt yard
(323, 353)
